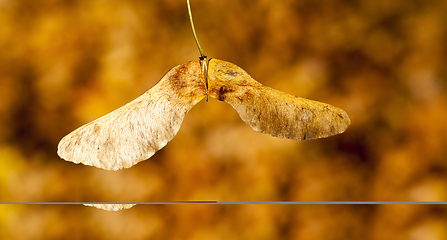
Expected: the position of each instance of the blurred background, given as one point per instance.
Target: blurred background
(65, 63)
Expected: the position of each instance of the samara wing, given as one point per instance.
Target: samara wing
(137, 130)
(271, 111)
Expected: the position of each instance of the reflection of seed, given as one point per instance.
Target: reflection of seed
(137, 130)
(111, 207)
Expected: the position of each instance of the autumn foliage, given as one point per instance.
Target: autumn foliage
(65, 63)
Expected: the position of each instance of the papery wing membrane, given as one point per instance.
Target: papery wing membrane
(271, 111)
(137, 130)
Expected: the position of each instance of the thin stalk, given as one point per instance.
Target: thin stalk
(202, 58)
(202, 55)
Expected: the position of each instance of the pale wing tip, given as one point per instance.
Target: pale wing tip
(61, 150)
(333, 124)
(345, 121)
(67, 153)
(337, 123)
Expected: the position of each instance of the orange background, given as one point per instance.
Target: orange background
(65, 63)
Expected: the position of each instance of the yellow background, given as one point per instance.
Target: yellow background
(65, 63)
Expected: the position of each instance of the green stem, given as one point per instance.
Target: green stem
(202, 55)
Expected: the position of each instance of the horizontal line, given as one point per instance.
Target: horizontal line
(241, 202)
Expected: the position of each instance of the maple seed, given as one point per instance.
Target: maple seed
(137, 130)
(271, 111)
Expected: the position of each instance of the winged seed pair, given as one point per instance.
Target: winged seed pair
(135, 131)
